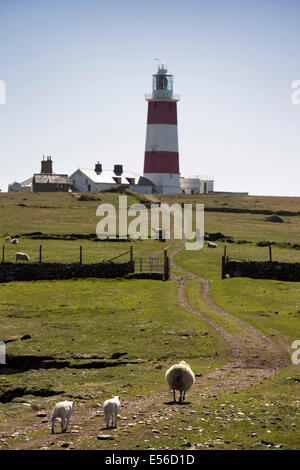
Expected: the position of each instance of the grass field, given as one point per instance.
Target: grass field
(92, 338)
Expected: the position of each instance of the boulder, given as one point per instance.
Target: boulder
(274, 218)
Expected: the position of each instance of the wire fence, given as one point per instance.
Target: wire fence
(86, 254)
(266, 253)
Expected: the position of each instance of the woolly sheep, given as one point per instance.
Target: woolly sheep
(180, 377)
(22, 256)
(14, 241)
(111, 408)
(62, 410)
(7, 239)
(211, 245)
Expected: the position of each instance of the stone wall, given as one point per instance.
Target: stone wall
(48, 271)
(262, 270)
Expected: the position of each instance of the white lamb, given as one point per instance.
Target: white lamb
(7, 239)
(180, 377)
(22, 256)
(62, 410)
(111, 408)
(14, 241)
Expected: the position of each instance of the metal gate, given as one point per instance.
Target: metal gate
(153, 265)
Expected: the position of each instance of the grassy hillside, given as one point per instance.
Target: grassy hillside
(91, 339)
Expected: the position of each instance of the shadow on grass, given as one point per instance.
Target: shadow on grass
(177, 403)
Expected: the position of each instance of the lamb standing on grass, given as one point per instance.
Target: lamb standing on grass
(22, 256)
(14, 241)
(62, 410)
(180, 377)
(111, 408)
(7, 239)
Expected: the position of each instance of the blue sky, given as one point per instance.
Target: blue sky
(76, 73)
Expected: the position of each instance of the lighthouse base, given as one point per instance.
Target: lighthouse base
(165, 183)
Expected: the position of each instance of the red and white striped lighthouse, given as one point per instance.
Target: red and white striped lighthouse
(161, 164)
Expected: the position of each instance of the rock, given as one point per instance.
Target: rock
(65, 445)
(25, 337)
(41, 414)
(267, 443)
(187, 444)
(116, 355)
(105, 437)
(274, 218)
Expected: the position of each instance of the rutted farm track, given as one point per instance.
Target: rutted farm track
(254, 358)
(255, 355)
(253, 352)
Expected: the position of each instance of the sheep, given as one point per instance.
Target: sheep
(62, 410)
(212, 245)
(180, 377)
(22, 256)
(111, 408)
(7, 239)
(14, 241)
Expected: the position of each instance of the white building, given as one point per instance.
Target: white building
(197, 185)
(87, 180)
(24, 187)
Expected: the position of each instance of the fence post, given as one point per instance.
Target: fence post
(40, 253)
(3, 250)
(132, 259)
(270, 253)
(166, 274)
(223, 275)
(80, 261)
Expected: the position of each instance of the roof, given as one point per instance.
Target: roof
(27, 182)
(107, 177)
(45, 178)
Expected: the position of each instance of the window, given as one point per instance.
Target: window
(131, 180)
(163, 82)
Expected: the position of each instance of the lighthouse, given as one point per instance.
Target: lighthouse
(161, 164)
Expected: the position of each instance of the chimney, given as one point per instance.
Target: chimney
(46, 165)
(118, 170)
(98, 168)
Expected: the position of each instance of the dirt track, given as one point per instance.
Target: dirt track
(255, 355)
